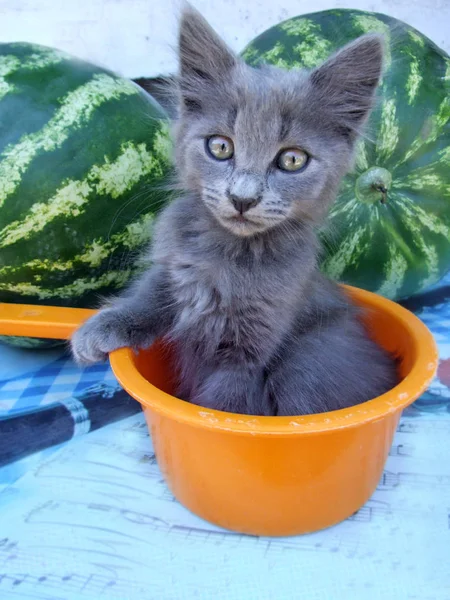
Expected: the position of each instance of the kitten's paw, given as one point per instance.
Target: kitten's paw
(101, 334)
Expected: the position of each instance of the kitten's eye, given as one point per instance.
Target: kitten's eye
(220, 147)
(293, 159)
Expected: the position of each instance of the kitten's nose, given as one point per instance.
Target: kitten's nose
(242, 205)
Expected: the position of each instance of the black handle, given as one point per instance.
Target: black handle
(31, 431)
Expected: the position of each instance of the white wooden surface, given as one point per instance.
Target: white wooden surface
(134, 37)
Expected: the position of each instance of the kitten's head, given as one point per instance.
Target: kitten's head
(263, 147)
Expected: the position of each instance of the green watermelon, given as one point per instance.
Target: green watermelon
(84, 155)
(389, 230)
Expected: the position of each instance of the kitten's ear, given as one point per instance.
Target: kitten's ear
(347, 81)
(204, 57)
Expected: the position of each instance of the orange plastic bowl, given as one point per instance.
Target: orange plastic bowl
(280, 475)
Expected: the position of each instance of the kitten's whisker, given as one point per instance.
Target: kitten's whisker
(124, 207)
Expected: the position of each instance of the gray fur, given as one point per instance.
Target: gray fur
(257, 329)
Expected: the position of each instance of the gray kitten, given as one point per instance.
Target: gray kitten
(235, 285)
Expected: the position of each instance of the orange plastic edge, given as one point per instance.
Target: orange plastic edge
(52, 322)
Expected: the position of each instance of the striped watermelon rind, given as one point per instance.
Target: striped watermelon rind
(402, 246)
(84, 157)
(27, 343)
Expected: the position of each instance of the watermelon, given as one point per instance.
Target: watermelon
(84, 156)
(389, 230)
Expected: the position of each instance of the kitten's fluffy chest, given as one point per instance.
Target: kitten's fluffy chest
(226, 304)
(209, 294)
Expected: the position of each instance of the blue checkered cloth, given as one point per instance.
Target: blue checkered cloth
(49, 383)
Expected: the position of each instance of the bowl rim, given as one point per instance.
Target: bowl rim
(395, 400)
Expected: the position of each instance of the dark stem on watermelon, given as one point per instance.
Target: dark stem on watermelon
(383, 191)
(373, 185)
